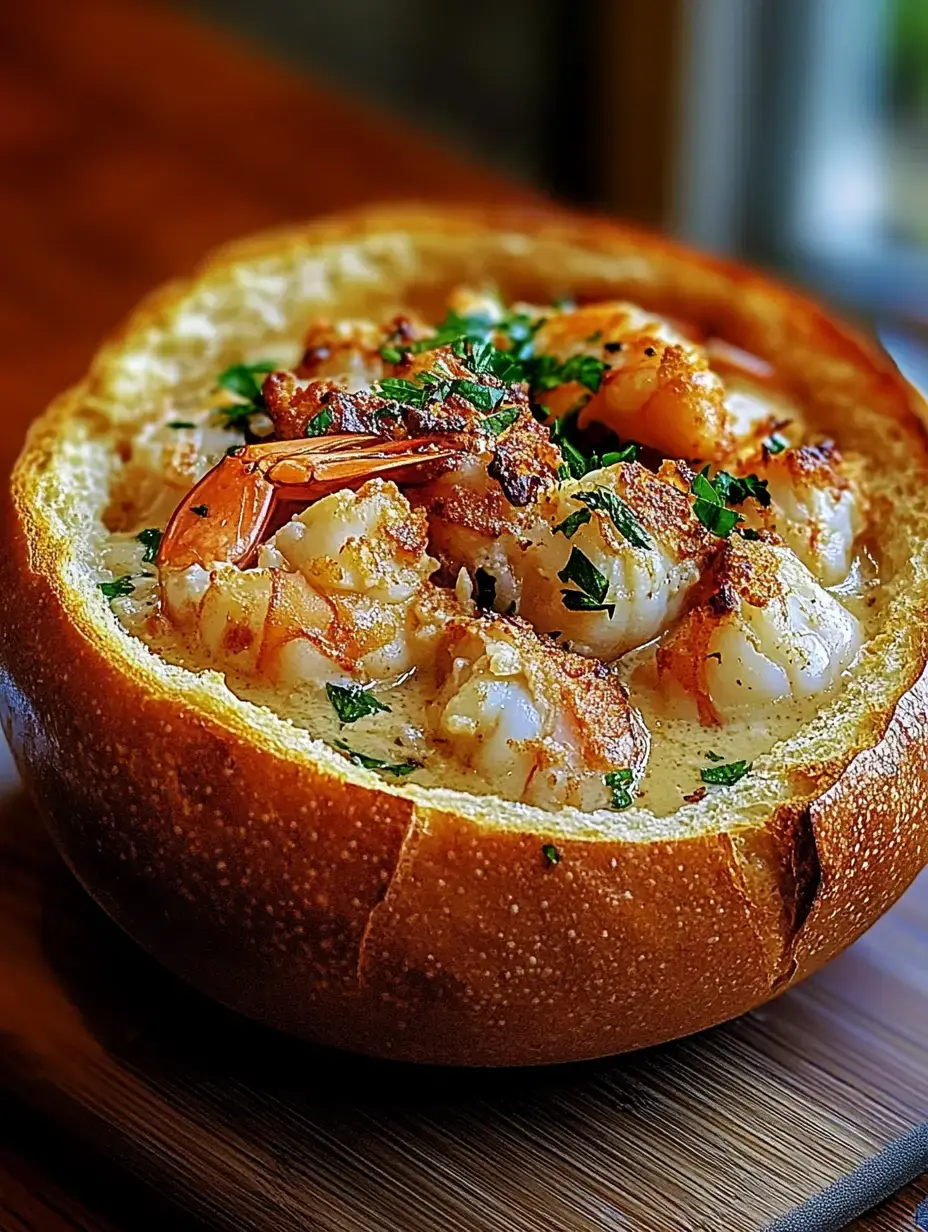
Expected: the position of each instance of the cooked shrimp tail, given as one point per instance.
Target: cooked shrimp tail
(226, 515)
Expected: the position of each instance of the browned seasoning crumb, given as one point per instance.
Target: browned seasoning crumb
(695, 796)
(650, 351)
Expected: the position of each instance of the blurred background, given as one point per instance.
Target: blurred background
(790, 132)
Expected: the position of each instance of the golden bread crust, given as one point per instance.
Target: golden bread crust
(415, 923)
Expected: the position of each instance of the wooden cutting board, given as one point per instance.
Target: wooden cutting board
(249, 1130)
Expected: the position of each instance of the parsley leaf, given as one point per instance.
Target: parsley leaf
(775, 443)
(352, 702)
(726, 775)
(117, 589)
(180, 423)
(400, 769)
(620, 514)
(398, 389)
(242, 379)
(582, 572)
(571, 524)
(593, 586)
(551, 854)
(626, 453)
(735, 491)
(483, 397)
(151, 539)
(392, 354)
(714, 756)
(498, 423)
(320, 422)
(619, 781)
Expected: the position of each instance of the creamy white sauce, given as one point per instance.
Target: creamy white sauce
(680, 746)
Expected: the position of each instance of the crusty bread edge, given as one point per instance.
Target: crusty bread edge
(362, 918)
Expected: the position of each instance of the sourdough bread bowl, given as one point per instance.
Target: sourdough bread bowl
(418, 922)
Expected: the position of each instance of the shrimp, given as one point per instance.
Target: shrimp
(333, 588)
(658, 386)
(816, 507)
(535, 722)
(763, 630)
(632, 532)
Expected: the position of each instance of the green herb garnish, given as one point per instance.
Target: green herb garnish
(571, 524)
(619, 513)
(725, 776)
(151, 539)
(320, 422)
(592, 584)
(551, 854)
(714, 756)
(180, 423)
(117, 589)
(775, 443)
(710, 509)
(619, 781)
(400, 769)
(484, 397)
(627, 453)
(352, 702)
(242, 379)
(392, 354)
(498, 423)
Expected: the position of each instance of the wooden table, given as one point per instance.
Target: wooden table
(131, 141)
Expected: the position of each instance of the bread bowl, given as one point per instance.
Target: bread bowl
(405, 916)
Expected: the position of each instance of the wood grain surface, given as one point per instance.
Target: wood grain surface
(131, 140)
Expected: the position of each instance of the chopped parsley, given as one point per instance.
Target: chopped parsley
(202, 511)
(551, 854)
(484, 397)
(571, 524)
(775, 443)
(498, 423)
(714, 756)
(735, 491)
(548, 372)
(429, 387)
(713, 495)
(747, 532)
(117, 589)
(619, 781)
(352, 702)
(620, 514)
(151, 540)
(485, 595)
(320, 422)
(563, 434)
(592, 584)
(626, 453)
(392, 354)
(400, 769)
(726, 775)
(710, 508)
(181, 423)
(242, 379)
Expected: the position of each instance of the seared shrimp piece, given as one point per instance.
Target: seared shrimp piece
(816, 507)
(658, 386)
(764, 631)
(630, 536)
(535, 722)
(337, 592)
